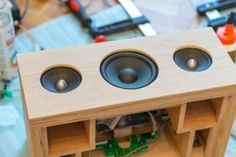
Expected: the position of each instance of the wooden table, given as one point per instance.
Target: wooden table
(44, 10)
(41, 11)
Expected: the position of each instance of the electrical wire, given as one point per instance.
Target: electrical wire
(135, 150)
(26, 8)
(115, 122)
(154, 123)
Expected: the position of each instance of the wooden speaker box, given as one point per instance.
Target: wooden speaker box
(188, 74)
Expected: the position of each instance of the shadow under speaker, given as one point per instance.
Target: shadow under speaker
(60, 79)
(192, 59)
(129, 70)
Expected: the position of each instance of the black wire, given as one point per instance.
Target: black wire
(25, 9)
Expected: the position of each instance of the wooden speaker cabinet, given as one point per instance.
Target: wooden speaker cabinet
(188, 74)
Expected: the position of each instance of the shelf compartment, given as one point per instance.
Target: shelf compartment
(71, 138)
(203, 114)
(176, 115)
(200, 142)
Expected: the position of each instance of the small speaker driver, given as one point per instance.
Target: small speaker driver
(192, 59)
(60, 79)
(129, 70)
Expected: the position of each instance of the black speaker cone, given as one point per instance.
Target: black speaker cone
(128, 70)
(60, 79)
(192, 59)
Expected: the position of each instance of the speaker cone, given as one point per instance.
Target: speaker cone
(128, 70)
(192, 59)
(60, 79)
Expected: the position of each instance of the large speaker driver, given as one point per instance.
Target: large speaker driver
(60, 79)
(128, 70)
(192, 59)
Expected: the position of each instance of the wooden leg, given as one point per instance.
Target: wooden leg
(38, 142)
(224, 128)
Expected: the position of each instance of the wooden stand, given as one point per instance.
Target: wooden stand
(201, 105)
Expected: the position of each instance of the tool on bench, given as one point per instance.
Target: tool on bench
(218, 4)
(136, 20)
(227, 34)
(211, 11)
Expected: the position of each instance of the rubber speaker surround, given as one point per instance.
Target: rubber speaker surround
(202, 59)
(50, 78)
(128, 70)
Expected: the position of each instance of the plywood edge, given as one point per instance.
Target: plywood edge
(90, 130)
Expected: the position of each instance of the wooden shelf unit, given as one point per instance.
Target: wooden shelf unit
(195, 101)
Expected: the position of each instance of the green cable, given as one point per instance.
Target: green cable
(6, 93)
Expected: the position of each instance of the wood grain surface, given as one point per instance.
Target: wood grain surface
(219, 78)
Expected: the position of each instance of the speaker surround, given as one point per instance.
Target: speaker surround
(128, 70)
(60, 79)
(192, 59)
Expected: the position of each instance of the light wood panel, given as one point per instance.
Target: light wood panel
(224, 128)
(218, 80)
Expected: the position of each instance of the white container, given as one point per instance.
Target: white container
(7, 37)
